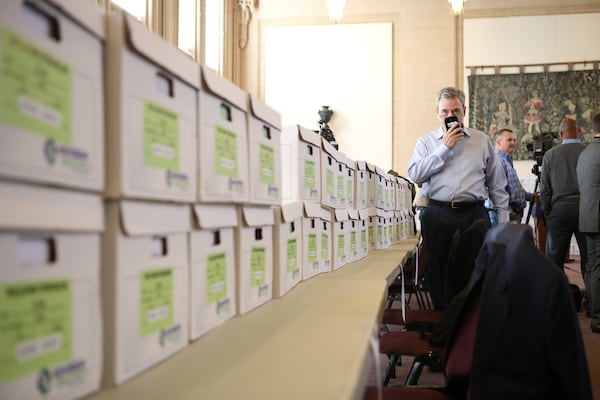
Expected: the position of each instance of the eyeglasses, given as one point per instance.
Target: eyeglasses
(445, 113)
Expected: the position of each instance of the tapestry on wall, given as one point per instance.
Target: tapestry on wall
(533, 105)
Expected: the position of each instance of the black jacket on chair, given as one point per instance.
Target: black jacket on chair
(528, 342)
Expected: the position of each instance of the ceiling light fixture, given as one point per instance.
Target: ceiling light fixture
(336, 9)
(457, 6)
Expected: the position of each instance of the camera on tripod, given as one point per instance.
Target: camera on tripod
(540, 145)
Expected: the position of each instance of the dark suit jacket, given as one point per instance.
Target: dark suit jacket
(528, 341)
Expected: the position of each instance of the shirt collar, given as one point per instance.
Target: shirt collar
(567, 141)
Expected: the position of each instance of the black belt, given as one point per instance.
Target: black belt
(455, 204)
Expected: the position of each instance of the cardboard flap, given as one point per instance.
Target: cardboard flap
(309, 136)
(258, 216)
(326, 215)
(156, 49)
(341, 214)
(263, 112)
(372, 211)
(363, 213)
(146, 218)
(329, 149)
(88, 15)
(224, 89)
(361, 165)
(384, 213)
(292, 211)
(380, 171)
(372, 168)
(33, 207)
(347, 161)
(312, 210)
(215, 216)
(352, 213)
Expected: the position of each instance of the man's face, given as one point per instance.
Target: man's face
(448, 107)
(507, 142)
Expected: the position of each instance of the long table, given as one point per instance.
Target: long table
(313, 343)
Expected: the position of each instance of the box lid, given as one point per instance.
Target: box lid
(341, 214)
(159, 51)
(326, 214)
(33, 207)
(215, 216)
(372, 211)
(222, 88)
(329, 149)
(363, 213)
(89, 15)
(312, 210)
(149, 218)
(361, 165)
(292, 211)
(309, 136)
(380, 171)
(257, 216)
(263, 112)
(371, 167)
(352, 213)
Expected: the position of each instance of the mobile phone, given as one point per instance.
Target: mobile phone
(450, 121)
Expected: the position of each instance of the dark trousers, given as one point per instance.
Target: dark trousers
(562, 224)
(438, 225)
(592, 277)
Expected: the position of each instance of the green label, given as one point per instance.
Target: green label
(35, 89)
(258, 267)
(156, 300)
(349, 190)
(216, 277)
(363, 188)
(379, 233)
(340, 187)
(36, 326)
(353, 242)
(371, 236)
(325, 246)
(267, 165)
(329, 182)
(226, 162)
(309, 175)
(341, 244)
(161, 137)
(312, 248)
(292, 259)
(363, 239)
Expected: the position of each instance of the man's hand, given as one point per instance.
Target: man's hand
(453, 136)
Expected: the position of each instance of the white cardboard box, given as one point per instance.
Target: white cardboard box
(212, 267)
(329, 175)
(382, 189)
(349, 173)
(287, 247)
(371, 185)
(372, 213)
(340, 237)
(52, 93)
(326, 240)
(354, 235)
(360, 185)
(264, 152)
(363, 220)
(300, 164)
(145, 277)
(152, 112)
(254, 257)
(51, 335)
(223, 140)
(311, 239)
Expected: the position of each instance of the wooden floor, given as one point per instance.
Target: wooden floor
(591, 343)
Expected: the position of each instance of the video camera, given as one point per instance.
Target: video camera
(540, 145)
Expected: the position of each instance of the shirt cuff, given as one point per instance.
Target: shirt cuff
(503, 216)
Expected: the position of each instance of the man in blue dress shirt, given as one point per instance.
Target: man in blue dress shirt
(458, 171)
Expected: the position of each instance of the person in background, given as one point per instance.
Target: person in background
(559, 195)
(505, 143)
(588, 178)
(457, 169)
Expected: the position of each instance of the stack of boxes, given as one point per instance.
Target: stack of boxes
(200, 207)
(51, 214)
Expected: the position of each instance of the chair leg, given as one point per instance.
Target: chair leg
(390, 370)
(429, 359)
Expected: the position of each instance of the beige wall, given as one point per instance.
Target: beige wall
(427, 43)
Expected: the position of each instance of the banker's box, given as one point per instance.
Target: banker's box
(363, 223)
(254, 257)
(371, 185)
(152, 94)
(326, 240)
(382, 226)
(300, 164)
(287, 247)
(360, 185)
(311, 239)
(353, 235)
(330, 173)
(145, 277)
(222, 141)
(382, 189)
(264, 152)
(51, 333)
(349, 173)
(212, 267)
(340, 237)
(51, 93)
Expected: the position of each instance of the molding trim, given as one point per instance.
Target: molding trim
(531, 11)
